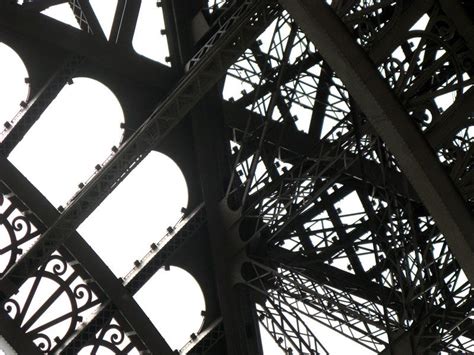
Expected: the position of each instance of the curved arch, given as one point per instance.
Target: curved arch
(82, 124)
(137, 213)
(13, 86)
(173, 300)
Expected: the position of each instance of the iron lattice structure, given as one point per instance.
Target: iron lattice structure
(336, 187)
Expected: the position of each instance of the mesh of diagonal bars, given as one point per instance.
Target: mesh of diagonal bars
(18, 229)
(351, 316)
(288, 329)
(391, 241)
(52, 304)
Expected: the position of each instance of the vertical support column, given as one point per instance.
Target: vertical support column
(236, 303)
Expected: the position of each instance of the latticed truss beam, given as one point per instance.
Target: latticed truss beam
(27, 117)
(292, 143)
(206, 68)
(86, 18)
(403, 289)
(391, 121)
(98, 272)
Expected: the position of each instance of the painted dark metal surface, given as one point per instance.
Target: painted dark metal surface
(331, 145)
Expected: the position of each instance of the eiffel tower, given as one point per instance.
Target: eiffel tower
(336, 188)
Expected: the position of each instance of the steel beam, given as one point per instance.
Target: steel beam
(40, 5)
(11, 331)
(50, 32)
(205, 70)
(38, 104)
(125, 21)
(392, 38)
(455, 118)
(241, 331)
(391, 121)
(86, 18)
(293, 143)
(90, 261)
(206, 340)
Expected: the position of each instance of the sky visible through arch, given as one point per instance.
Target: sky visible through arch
(158, 173)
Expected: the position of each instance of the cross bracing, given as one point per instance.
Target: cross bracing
(330, 149)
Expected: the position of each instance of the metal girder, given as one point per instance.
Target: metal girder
(206, 340)
(28, 115)
(403, 345)
(332, 276)
(86, 18)
(205, 69)
(456, 117)
(461, 20)
(212, 155)
(292, 143)
(125, 21)
(334, 308)
(117, 293)
(40, 5)
(50, 32)
(240, 325)
(21, 342)
(289, 330)
(390, 120)
(395, 35)
(156, 258)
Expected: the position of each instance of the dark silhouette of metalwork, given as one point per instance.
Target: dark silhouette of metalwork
(337, 188)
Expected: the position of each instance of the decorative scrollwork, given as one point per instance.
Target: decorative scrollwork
(17, 231)
(56, 286)
(43, 342)
(371, 18)
(459, 156)
(113, 338)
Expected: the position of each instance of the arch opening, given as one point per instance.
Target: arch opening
(173, 300)
(137, 213)
(13, 86)
(81, 125)
(148, 39)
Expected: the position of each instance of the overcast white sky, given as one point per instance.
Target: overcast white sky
(54, 157)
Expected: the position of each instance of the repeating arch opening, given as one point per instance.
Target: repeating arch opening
(137, 213)
(13, 88)
(148, 40)
(81, 125)
(173, 301)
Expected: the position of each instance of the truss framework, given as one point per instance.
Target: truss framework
(347, 183)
